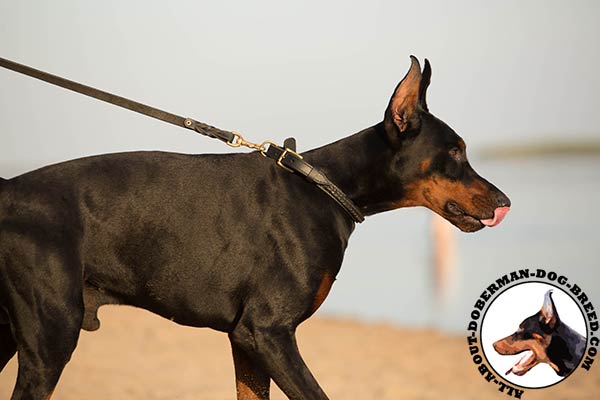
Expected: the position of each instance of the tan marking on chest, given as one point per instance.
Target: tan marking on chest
(322, 292)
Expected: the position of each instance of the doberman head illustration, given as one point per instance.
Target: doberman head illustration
(543, 338)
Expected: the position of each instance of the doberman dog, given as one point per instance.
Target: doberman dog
(230, 242)
(545, 339)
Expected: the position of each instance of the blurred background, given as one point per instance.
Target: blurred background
(517, 80)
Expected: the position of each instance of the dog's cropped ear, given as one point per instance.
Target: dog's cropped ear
(425, 81)
(409, 96)
(549, 315)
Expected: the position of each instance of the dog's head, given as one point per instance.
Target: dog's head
(533, 337)
(430, 161)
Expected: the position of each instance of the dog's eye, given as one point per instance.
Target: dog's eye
(456, 154)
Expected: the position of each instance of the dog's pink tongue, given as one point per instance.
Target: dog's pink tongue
(499, 214)
(521, 366)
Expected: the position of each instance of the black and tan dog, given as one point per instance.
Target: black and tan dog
(230, 242)
(545, 339)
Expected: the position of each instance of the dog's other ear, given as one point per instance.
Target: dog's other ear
(425, 81)
(548, 313)
(405, 101)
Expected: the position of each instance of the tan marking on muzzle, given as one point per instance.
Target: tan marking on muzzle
(509, 346)
(434, 192)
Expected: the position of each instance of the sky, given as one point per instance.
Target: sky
(318, 70)
(504, 73)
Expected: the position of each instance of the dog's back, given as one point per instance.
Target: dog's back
(158, 230)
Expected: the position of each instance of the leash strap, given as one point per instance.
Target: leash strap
(286, 157)
(153, 112)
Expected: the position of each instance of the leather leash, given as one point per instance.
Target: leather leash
(285, 157)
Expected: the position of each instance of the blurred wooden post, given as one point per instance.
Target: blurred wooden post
(444, 258)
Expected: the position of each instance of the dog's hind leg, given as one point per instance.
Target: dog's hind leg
(252, 381)
(45, 345)
(8, 346)
(45, 305)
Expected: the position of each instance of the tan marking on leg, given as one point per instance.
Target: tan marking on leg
(252, 382)
(245, 393)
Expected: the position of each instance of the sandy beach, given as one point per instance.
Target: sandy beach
(136, 355)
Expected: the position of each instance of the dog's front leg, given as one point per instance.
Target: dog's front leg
(275, 348)
(252, 381)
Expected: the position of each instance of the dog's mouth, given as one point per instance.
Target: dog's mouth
(529, 358)
(470, 223)
(460, 218)
(499, 214)
(525, 363)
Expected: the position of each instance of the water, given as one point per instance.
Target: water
(553, 224)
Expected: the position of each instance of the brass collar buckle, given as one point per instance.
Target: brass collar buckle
(287, 151)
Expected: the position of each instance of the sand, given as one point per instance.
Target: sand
(137, 355)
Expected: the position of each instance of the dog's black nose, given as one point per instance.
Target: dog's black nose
(502, 200)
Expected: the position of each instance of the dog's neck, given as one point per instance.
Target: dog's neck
(358, 165)
(566, 349)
